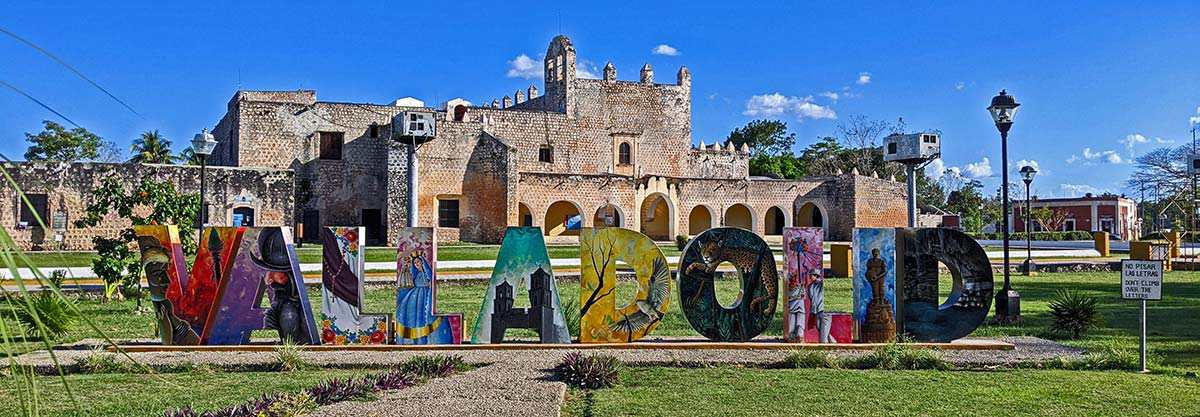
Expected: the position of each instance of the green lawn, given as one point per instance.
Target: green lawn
(1174, 322)
(150, 395)
(727, 391)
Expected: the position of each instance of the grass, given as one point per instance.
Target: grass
(149, 395)
(730, 391)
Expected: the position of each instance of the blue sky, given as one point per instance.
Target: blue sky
(1099, 83)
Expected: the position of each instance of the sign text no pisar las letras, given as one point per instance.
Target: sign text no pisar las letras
(1141, 280)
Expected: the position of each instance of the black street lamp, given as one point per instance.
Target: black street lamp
(1003, 109)
(1027, 173)
(202, 145)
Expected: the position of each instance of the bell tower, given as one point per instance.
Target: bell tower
(560, 75)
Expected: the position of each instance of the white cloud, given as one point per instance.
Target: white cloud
(1090, 157)
(830, 95)
(664, 49)
(935, 169)
(864, 78)
(980, 169)
(1162, 141)
(524, 67)
(959, 86)
(1133, 139)
(1195, 120)
(1078, 190)
(775, 104)
(1027, 162)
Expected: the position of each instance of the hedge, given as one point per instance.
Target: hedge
(1072, 235)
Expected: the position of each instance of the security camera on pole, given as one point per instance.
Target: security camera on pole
(914, 150)
(413, 128)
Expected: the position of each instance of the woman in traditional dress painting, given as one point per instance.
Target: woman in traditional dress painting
(415, 322)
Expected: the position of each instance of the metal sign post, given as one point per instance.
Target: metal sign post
(1142, 280)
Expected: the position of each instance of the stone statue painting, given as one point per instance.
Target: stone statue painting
(417, 319)
(967, 306)
(182, 301)
(755, 266)
(265, 263)
(521, 263)
(601, 319)
(342, 319)
(875, 284)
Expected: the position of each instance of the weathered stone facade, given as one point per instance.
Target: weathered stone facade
(266, 195)
(586, 153)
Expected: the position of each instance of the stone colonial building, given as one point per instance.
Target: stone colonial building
(580, 153)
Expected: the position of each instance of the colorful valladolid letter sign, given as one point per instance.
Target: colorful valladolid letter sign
(266, 262)
(806, 319)
(970, 299)
(417, 320)
(522, 262)
(875, 284)
(342, 319)
(755, 263)
(182, 301)
(599, 251)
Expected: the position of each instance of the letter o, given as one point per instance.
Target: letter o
(755, 262)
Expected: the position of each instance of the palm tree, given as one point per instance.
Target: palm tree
(151, 148)
(188, 156)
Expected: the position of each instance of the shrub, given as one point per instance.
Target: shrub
(433, 366)
(393, 380)
(896, 356)
(810, 359)
(43, 314)
(336, 390)
(1074, 313)
(290, 405)
(681, 241)
(588, 371)
(1106, 358)
(289, 357)
(570, 310)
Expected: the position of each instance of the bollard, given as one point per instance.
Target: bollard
(1102, 245)
(840, 260)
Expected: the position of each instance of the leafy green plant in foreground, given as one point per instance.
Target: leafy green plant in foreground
(589, 371)
(1074, 313)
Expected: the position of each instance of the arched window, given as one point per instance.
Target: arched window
(624, 156)
(459, 112)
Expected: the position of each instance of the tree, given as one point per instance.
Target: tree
(117, 264)
(781, 166)
(930, 193)
(765, 137)
(188, 156)
(824, 157)
(56, 143)
(863, 137)
(151, 148)
(969, 203)
(1049, 219)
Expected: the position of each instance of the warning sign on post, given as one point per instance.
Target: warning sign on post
(1141, 280)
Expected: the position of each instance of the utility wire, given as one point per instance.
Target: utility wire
(71, 68)
(39, 102)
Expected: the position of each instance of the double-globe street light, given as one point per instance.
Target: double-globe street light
(1003, 109)
(1027, 173)
(202, 145)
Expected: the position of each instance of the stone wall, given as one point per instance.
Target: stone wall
(269, 193)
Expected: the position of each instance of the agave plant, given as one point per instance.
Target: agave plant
(589, 371)
(1074, 313)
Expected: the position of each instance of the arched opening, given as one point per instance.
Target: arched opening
(809, 215)
(607, 216)
(563, 219)
(524, 216)
(699, 220)
(656, 217)
(624, 154)
(738, 215)
(243, 217)
(775, 221)
(459, 112)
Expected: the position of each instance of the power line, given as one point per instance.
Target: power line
(71, 68)
(40, 103)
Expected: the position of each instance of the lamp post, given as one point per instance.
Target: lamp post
(202, 145)
(1027, 173)
(1003, 109)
